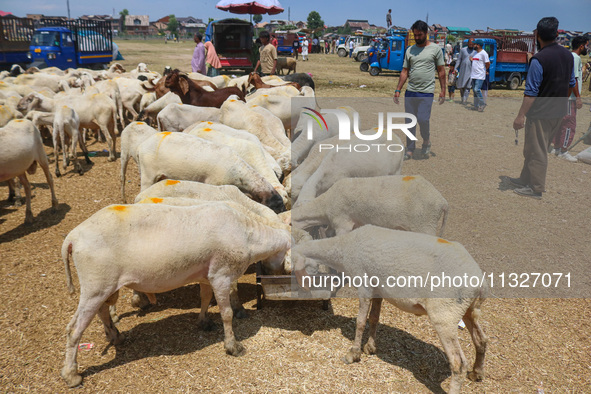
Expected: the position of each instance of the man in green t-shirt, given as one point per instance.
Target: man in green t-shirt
(420, 62)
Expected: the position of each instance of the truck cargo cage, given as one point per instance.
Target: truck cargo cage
(90, 35)
(16, 33)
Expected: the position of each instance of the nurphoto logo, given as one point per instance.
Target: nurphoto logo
(344, 130)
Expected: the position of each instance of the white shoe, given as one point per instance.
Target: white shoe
(555, 151)
(461, 324)
(567, 156)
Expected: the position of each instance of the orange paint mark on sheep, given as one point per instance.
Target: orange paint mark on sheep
(139, 123)
(156, 200)
(171, 182)
(18, 120)
(207, 129)
(65, 106)
(408, 178)
(252, 106)
(265, 95)
(232, 100)
(209, 122)
(119, 208)
(443, 241)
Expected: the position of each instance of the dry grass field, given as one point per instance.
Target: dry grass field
(296, 346)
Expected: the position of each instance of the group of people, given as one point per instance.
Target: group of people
(205, 58)
(548, 111)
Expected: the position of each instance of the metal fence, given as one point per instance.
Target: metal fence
(90, 35)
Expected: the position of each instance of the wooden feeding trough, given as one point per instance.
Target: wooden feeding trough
(282, 288)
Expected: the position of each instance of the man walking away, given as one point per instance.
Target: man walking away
(480, 65)
(268, 59)
(420, 62)
(389, 19)
(464, 83)
(351, 47)
(565, 135)
(198, 61)
(550, 80)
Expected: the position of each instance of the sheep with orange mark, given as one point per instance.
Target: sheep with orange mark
(241, 134)
(212, 244)
(177, 117)
(131, 137)
(398, 202)
(249, 152)
(21, 149)
(237, 114)
(372, 251)
(183, 156)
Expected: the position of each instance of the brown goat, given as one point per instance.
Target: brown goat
(255, 80)
(161, 90)
(193, 94)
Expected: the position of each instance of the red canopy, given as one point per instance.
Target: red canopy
(260, 7)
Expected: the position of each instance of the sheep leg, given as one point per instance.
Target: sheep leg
(206, 294)
(113, 335)
(374, 318)
(87, 309)
(139, 300)
(27, 186)
(222, 287)
(56, 152)
(480, 340)
(446, 327)
(73, 153)
(237, 307)
(14, 193)
(83, 148)
(354, 354)
(109, 133)
(45, 166)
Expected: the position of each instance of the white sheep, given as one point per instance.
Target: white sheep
(400, 202)
(177, 117)
(131, 137)
(171, 246)
(183, 156)
(372, 251)
(21, 149)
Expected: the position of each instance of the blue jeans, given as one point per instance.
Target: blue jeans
(418, 104)
(477, 87)
(350, 52)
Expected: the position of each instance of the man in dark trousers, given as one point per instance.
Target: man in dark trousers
(550, 80)
(296, 46)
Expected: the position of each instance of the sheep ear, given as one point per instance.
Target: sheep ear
(184, 85)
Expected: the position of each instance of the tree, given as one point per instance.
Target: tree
(257, 18)
(122, 15)
(173, 24)
(314, 21)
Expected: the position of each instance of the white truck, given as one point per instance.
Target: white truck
(361, 45)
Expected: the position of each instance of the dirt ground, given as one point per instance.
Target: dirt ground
(296, 346)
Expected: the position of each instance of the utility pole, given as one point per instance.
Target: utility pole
(288, 14)
(427, 18)
(68, 2)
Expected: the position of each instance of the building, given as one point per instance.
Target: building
(357, 24)
(137, 24)
(190, 25)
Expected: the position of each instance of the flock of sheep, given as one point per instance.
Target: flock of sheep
(230, 184)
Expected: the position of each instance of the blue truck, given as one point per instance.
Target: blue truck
(387, 53)
(509, 57)
(55, 43)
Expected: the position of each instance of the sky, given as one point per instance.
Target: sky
(477, 14)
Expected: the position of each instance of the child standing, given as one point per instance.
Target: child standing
(451, 80)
